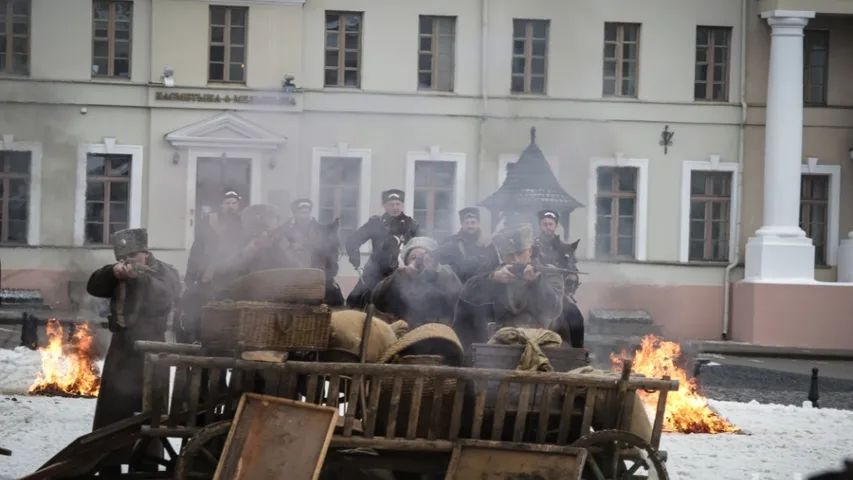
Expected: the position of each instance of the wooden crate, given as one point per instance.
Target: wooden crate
(505, 357)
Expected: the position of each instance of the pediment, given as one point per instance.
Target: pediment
(226, 130)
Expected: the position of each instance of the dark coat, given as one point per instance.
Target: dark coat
(428, 297)
(139, 310)
(468, 255)
(324, 246)
(376, 231)
(215, 235)
(482, 301)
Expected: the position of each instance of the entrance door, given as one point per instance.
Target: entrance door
(215, 177)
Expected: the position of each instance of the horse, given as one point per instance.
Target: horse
(382, 263)
(325, 251)
(570, 324)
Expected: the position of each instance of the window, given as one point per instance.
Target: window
(111, 32)
(616, 212)
(712, 63)
(107, 196)
(227, 62)
(433, 206)
(343, 49)
(710, 214)
(436, 53)
(621, 59)
(14, 196)
(814, 212)
(340, 189)
(815, 60)
(529, 56)
(15, 36)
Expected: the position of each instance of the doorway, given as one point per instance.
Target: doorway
(215, 177)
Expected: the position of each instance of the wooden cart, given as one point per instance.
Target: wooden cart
(397, 417)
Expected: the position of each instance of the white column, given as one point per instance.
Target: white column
(780, 250)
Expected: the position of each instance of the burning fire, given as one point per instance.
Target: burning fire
(686, 410)
(68, 368)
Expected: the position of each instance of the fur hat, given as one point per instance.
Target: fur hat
(513, 240)
(260, 217)
(469, 212)
(129, 241)
(426, 243)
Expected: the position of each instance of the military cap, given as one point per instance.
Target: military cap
(469, 212)
(260, 217)
(232, 194)
(549, 214)
(514, 239)
(129, 241)
(301, 203)
(393, 194)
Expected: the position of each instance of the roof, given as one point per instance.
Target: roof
(530, 185)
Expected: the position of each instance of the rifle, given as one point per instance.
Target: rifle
(139, 268)
(518, 270)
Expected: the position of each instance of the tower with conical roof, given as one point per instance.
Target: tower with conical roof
(530, 186)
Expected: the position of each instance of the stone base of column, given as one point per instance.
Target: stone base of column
(845, 259)
(774, 259)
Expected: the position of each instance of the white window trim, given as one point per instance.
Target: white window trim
(834, 174)
(110, 147)
(505, 158)
(344, 151)
(713, 165)
(436, 155)
(8, 142)
(642, 166)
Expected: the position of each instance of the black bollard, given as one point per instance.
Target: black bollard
(29, 331)
(814, 395)
(697, 367)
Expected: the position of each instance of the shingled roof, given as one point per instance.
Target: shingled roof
(530, 185)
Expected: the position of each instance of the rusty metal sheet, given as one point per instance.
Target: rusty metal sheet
(274, 438)
(486, 460)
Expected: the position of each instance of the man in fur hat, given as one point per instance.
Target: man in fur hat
(422, 290)
(469, 252)
(549, 250)
(387, 234)
(142, 291)
(265, 247)
(513, 295)
(321, 241)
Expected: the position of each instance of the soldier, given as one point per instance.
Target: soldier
(142, 291)
(387, 234)
(551, 251)
(321, 241)
(515, 294)
(468, 252)
(422, 291)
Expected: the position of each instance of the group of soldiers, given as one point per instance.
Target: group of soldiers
(468, 281)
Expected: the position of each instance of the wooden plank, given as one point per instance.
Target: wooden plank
(435, 420)
(285, 440)
(504, 460)
(521, 413)
(482, 389)
(373, 406)
(394, 411)
(544, 414)
(415, 408)
(588, 409)
(500, 411)
(456, 414)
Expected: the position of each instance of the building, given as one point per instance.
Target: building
(140, 113)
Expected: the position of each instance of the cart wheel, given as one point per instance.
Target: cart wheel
(200, 455)
(620, 455)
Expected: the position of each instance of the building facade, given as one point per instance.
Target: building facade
(141, 113)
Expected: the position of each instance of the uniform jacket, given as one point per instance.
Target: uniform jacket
(468, 255)
(215, 235)
(376, 231)
(427, 297)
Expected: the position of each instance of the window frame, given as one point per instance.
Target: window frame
(337, 188)
(8, 143)
(108, 181)
(435, 37)
(226, 44)
(435, 154)
(340, 47)
(527, 74)
(137, 167)
(711, 63)
(614, 195)
(620, 59)
(807, 67)
(641, 217)
(111, 41)
(8, 5)
(428, 226)
(834, 209)
(364, 199)
(708, 200)
(712, 165)
(5, 177)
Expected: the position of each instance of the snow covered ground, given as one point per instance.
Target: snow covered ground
(784, 442)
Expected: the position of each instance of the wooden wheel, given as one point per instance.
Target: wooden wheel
(200, 455)
(620, 455)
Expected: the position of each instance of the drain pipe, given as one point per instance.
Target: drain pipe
(734, 253)
(484, 68)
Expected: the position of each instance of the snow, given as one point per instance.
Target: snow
(782, 443)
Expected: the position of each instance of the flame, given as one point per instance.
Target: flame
(686, 410)
(68, 368)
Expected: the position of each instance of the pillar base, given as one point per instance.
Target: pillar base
(779, 259)
(845, 259)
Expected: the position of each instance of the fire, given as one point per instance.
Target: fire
(686, 410)
(68, 368)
